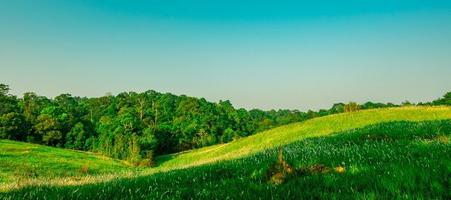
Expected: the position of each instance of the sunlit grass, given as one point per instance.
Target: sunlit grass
(298, 131)
(62, 167)
(383, 161)
(24, 163)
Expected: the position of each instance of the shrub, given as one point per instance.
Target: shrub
(351, 107)
(148, 160)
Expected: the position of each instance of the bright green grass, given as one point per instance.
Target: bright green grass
(248, 146)
(395, 160)
(294, 132)
(21, 162)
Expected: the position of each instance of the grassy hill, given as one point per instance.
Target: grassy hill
(283, 135)
(394, 160)
(258, 153)
(23, 163)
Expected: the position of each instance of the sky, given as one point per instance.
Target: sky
(257, 54)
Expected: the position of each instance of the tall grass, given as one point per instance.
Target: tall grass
(298, 131)
(23, 163)
(248, 146)
(395, 160)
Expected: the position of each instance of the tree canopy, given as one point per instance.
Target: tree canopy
(136, 126)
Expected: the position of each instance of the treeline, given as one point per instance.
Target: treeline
(136, 126)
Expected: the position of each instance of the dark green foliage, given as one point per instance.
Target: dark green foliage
(130, 125)
(76, 138)
(371, 105)
(12, 122)
(8, 103)
(12, 126)
(396, 160)
(228, 135)
(445, 100)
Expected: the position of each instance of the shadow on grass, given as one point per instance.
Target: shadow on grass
(164, 158)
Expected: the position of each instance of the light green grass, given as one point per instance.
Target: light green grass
(48, 157)
(283, 135)
(394, 160)
(21, 162)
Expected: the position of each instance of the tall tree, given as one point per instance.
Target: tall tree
(50, 125)
(12, 126)
(137, 126)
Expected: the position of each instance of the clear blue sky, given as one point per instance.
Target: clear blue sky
(258, 54)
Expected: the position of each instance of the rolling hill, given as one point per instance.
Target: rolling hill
(25, 163)
(283, 135)
(259, 148)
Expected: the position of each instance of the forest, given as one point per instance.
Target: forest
(138, 126)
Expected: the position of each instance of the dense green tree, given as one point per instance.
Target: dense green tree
(445, 100)
(203, 139)
(12, 122)
(337, 108)
(138, 126)
(49, 130)
(134, 149)
(76, 137)
(4, 90)
(406, 103)
(8, 103)
(120, 144)
(12, 126)
(229, 135)
(147, 141)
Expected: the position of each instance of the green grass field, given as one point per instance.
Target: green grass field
(365, 153)
(294, 132)
(22, 163)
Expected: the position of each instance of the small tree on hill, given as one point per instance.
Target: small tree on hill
(351, 107)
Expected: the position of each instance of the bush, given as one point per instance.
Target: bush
(351, 107)
(148, 160)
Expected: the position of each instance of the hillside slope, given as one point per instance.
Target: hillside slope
(393, 160)
(244, 147)
(21, 162)
(294, 132)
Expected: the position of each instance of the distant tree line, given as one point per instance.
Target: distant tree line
(137, 126)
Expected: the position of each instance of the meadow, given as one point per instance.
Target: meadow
(24, 163)
(380, 153)
(131, 100)
(390, 160)
(316, 127)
